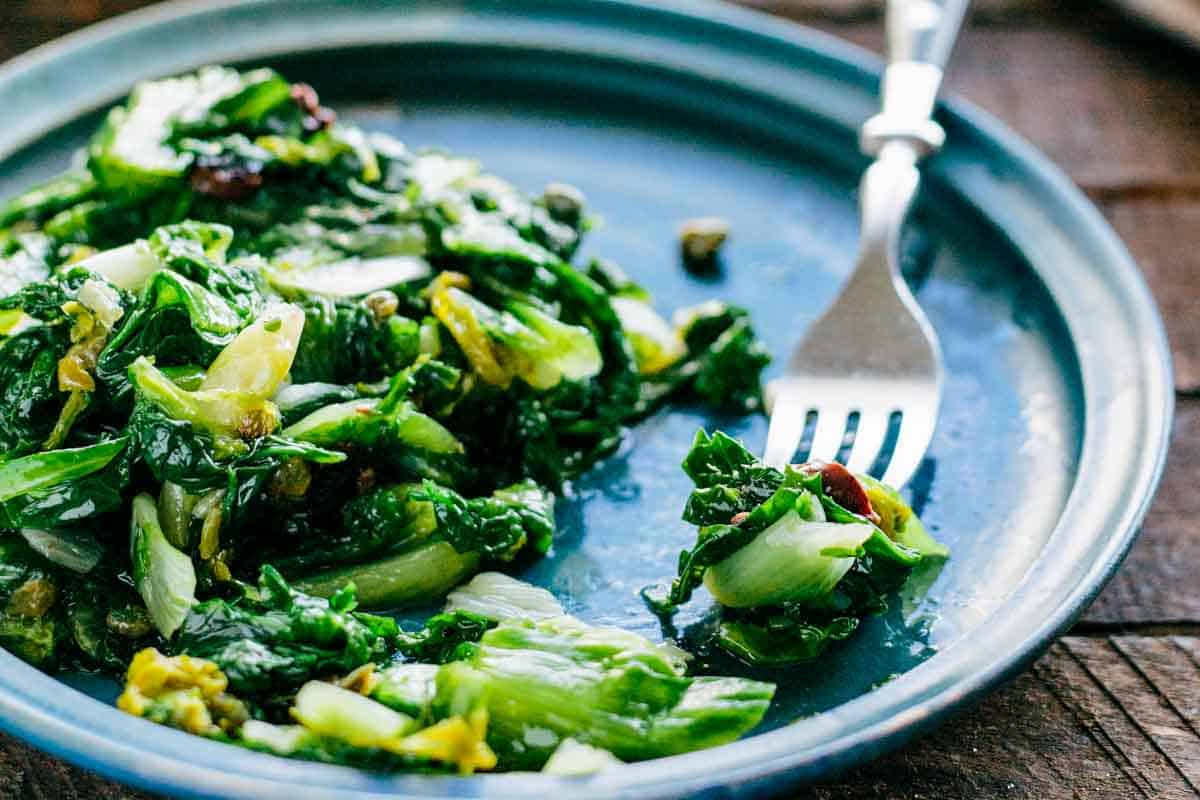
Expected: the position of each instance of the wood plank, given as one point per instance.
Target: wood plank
(1161, 234)
(1169, 664)
(1088, 721)
(1147, 771)
(1157, 582)
(1134, 715)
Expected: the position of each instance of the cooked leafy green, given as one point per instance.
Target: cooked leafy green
(63, 487)
(533, 668)
(497, 596)
(275, 637)
(446, 637)
(29, 397)
(163, 576)
(431, 536)
(30, 626)
(407, 578)
(242, 340)
(345, 341)
(407, 442)
(601, 686)
(183, 692)
(465, 697)
(519, 341)
(713, 356)
(357, 729)
(797, 557)
(542, 671)
(497, 527)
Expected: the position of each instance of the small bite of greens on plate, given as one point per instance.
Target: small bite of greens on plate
(797, 557)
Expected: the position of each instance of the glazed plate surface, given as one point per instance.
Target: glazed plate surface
(1058, 398)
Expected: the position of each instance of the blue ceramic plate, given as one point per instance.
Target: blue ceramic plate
(1058, 399)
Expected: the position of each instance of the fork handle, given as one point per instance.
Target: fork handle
(920, 37)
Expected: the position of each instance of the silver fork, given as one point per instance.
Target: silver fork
(873, 352)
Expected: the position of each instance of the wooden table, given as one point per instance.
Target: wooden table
(1112, 710)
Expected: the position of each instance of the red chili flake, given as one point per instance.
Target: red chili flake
(739, 518)
(847, 490)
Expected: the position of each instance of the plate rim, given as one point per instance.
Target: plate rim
(925, 698)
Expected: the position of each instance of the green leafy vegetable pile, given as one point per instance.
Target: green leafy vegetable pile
(259, 368)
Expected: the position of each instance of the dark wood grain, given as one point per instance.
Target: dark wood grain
(1099, 716)
(1158, 582)
(1123, 713)
(1156, 230)
(1088, 721)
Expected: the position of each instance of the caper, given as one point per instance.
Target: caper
(258, 422)
(33, 598)
(131, 621)
(563, 201)
(701, 239)
(383, 304)
(292, 479)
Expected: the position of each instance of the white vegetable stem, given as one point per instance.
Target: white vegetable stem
(128, 266)
(353, 276)
(497, 596)
(332, 711)
(255, 363)
(572, 759)
(165, 577)
(784, 563)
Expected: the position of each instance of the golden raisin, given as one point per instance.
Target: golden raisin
(292, 479)
(33, 598)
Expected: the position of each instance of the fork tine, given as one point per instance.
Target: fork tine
(827, 438)
(868, 440)
(916, 430)
(789, 416)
